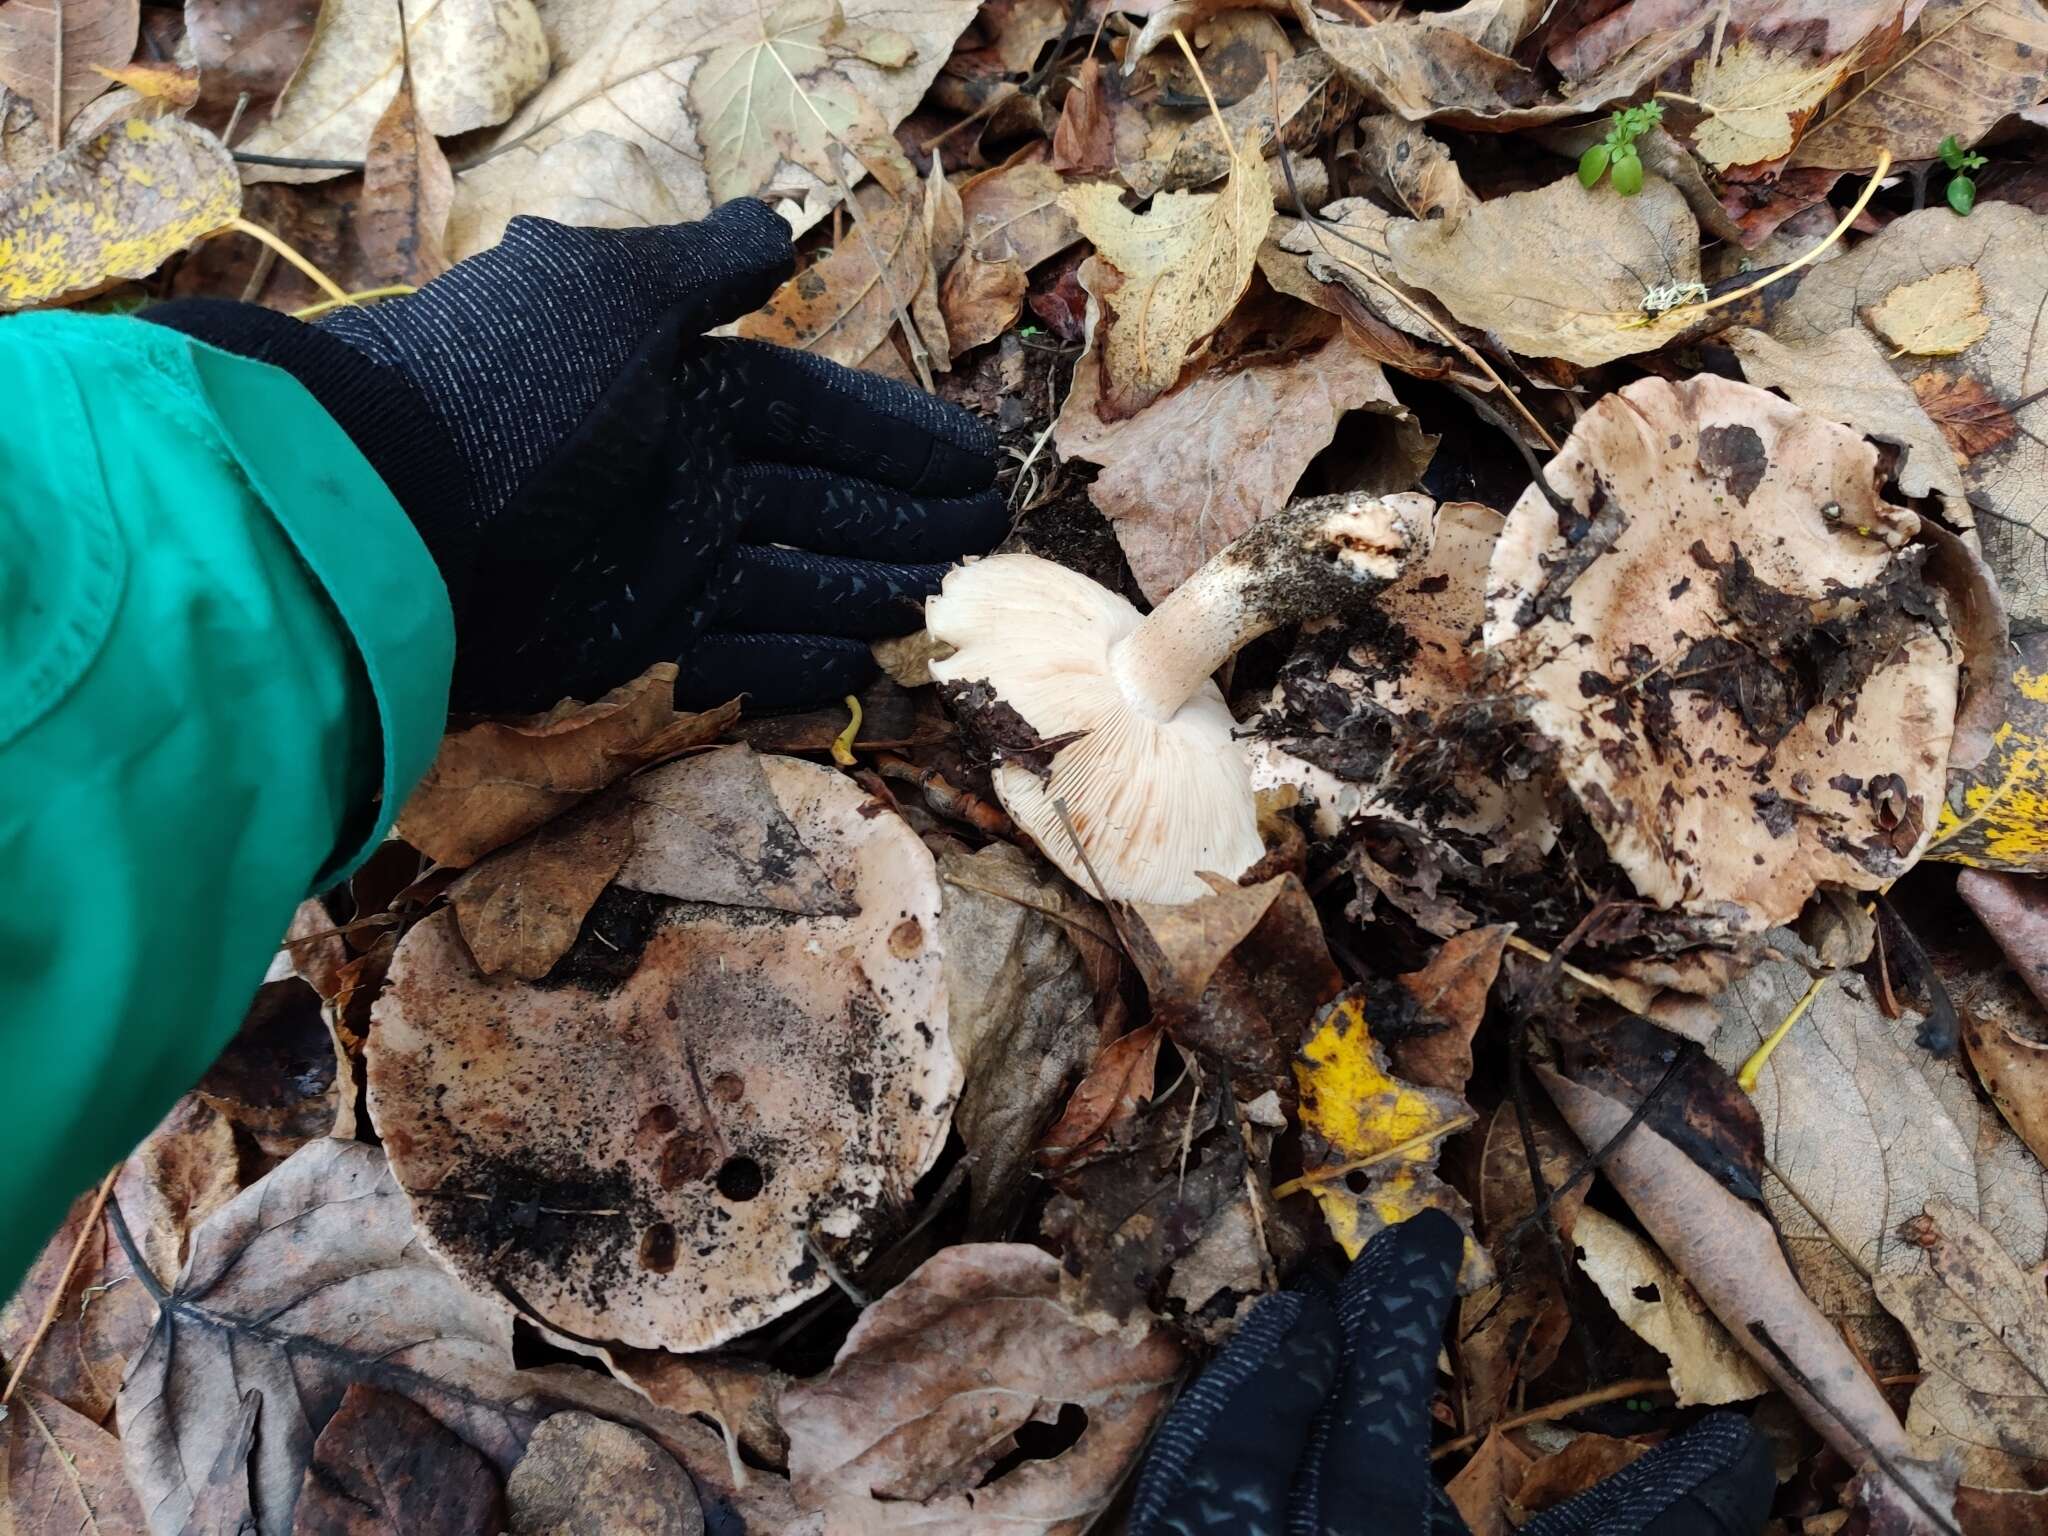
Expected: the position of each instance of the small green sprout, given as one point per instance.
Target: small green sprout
(1615, 156)
(1962, 187)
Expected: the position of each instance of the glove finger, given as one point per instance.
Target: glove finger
(1371, 1449)
(833, 515)
(1222, 1463)
(764, 588)
(775, 672)
(793, 408)
(1716, 1479)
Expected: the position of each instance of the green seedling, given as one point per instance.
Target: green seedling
(1962, 187)
(1615, 156)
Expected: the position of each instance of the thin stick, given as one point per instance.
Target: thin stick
(295, 162)
(1308, 1181)
(235, 117)
(1584, 978)
(1564, 1407)
(313, 274)
(360, 296)
(56, 1301)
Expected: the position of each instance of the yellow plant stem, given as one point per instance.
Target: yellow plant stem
(1308, 1181)
(360, 296)
(313, 274)
(842, 744)
(1753, 1068)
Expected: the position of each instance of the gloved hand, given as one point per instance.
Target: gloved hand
(1314, 1421)
(603, 487)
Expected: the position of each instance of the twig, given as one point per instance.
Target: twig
(235, 117)
(57, 66)
(1308, 1181)
(1564, 1407)
(136, 1262)
(1605, 988)
(852, 1292)
(56, 1301)
(295, 162)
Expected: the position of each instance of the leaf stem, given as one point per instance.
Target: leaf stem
(1308, 1181)
(313, 274)
(1753, 1068)
(392, 291)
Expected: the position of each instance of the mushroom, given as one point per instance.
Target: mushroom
(1144, 763)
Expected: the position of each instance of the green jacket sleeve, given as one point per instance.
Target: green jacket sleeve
(224, 659)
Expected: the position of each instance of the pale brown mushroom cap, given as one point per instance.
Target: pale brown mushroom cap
(642, 1160)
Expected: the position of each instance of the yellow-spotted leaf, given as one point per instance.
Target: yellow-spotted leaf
(111, 206)
(1378, 1137)
(1997, 814)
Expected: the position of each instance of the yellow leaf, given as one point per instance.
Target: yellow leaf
(112, 206)
(1757, 100)
(166, 85)
(1997, 814)
(1938, 316)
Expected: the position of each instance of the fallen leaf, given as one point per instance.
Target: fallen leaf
(2006, 1038)
(1938, 316)
(1450, 64)
(1360, 1112)
(2014, 911)
(1983, 398)
(1755, 95)
(1980, 1322)
(1167, 278)
(1015, 208)
(1996, 815)
(1566, 1474)
(99, 35)
(1655, 1301)
(740, 1394)
(1961, 66)
(383, 1466)
(1719, 782)
(1559, 271)
(401, 218)
(285, 1078)
(1118, 1080)
(1019, 1007)
(312, 1280)
(582, 1474)
(165, 87)
(520, 910)
(1862, 1128)
(646, 117)
(764, 1081)
(60, 1471)
(117, 204)
(932, 1385)
(981, 298)
(494, 783)
(473, 62)
(1450, 999)
(1188, 473)
(1313, 100)
(1413, 170)
(1486, 1486)
(248, 47)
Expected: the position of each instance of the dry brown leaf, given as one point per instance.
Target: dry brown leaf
(1980, 1322)
(286, 1077)
(740, 1394)
(1014, 208)
(1486, 1486)
(1706, 1364)
(401, 219)
(928, 1391)
(60, 1471)
(1450, 999)
(582, 1474)
(520, 911)
(247, 47)
(115, 204)
(165, 87)
(314, 1279)
(1961, 66)
(1314, 101)
(2006, 1038)
(99, 35)
(1191, 471)
(1658, 641)
(1167, 278)
(1117, 1082)
(1445, 64)
(495, 782)
(1862, 1128)
(981, 298)
(383, 1466)
(653, 117)
(766, 1080)
(2014, 910)
(1984, 399)
(1559, 271)
(1589, 1459)
(1414, 171)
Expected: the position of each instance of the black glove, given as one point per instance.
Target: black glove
(1314, 1421)
(603, 487)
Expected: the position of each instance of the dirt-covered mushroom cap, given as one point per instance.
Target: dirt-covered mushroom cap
(1154, 783)
(654, 1143)
(1750, 684)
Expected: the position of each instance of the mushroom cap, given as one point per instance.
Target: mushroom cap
(646, 1157)
(1157, 801)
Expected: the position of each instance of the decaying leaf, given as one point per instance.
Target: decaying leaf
(2014, 911)
(385, 1465)
(1116, 1083)
(1378, 1131)
(1937, 316)
(933, 1383)
(401, 220)
(286, 1078)
(251, 47)
(1015, 207)
(116, 204)
(981, 298)
(1435, 1049)
(739, 1394)
(752, 1066)
(98, 35)
(583, 1474)
(521, 910)
(2006, 1037)
(1485, 1488)
(1980, 1322)
(1687, 642)
(1996, 815)
(495, 782)
(473, 62)
(647, 118)
(59, 1471)
(1654, 1299)
(1755, 96)
(1167, 278)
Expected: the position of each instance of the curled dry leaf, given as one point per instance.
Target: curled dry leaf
(1996, 815)
(1655, 1300)
(98, 36)
(934, 1381)
(1435, 1049)
(1167, 278)
(495, 782)
(1314, 100)
(1116, 1083)
(385, 1465)
(752, 1073)
(286, 1078)
(1485, 1489)
(1980, 1322)
(2005, 1035)
(116, 204)
(981, 298)
(2014, 911)
(1015, 208)
(1689, 638)
(581, 1474)
(652, 118)
(59, 1471)
(401, 219)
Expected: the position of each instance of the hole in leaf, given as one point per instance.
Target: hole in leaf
(1041, 1442)
(1648, 1293)
(740, 1179)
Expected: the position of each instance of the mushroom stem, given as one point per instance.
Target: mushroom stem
(1312, 559)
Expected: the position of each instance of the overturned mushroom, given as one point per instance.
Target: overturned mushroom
(1142, 757)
